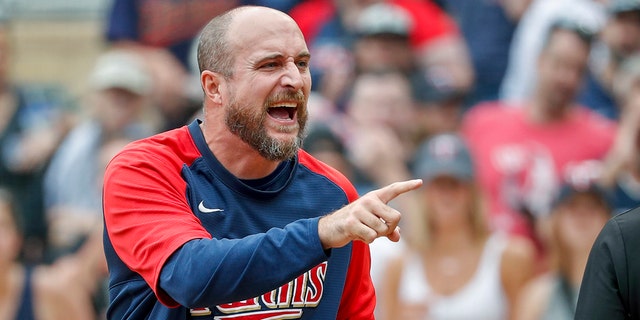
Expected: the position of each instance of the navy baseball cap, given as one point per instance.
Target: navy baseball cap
(443, 155)
(569, 190)
(434, 86)
(321, 138)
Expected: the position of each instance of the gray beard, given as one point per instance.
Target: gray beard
(250, 128)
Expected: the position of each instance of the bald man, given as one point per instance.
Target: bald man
(227, 217)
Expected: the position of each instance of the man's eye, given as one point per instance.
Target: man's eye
(270, 65)
(303, 64)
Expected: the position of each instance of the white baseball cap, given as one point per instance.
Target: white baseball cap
(121, 69)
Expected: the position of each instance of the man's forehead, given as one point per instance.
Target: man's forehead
(257, 19)
(267, 44)
(264, 33)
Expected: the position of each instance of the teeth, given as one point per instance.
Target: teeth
(285, 105)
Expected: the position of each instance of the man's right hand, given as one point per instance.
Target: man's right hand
(365, 219)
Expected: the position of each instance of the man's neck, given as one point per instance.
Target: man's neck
(235, 155)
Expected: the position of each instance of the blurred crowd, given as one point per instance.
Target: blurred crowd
(521, 116)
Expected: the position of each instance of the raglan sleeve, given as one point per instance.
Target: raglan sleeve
(146, 214)
(603, 284)
(358, 297)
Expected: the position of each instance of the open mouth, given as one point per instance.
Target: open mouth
(285, 111)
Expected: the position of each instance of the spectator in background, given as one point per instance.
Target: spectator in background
(175, 104)
(524, 152)
(455, 267)
(619, 39)
(332, 28)
(381, 39)
(380, 42)
(578, 215)
(33, 120)
(385, 40)
(440, 106)
(120, 87)
(487, 27)
(60, 291)
(322, 143)
(378, 126)
(520, 77)
(622, 167)
(379, 134)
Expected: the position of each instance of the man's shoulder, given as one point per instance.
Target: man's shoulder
(175, 144)
(332, 174)
(167, 139)
(628, 220)
(620, 233)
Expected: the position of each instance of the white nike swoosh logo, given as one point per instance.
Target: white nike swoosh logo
(204, 209)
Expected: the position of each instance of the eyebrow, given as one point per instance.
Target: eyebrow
(304, 54)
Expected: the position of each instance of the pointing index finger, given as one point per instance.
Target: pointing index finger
(395, 189)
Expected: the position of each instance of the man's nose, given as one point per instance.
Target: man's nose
(292, 77)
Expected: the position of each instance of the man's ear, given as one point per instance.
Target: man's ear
(211, 85)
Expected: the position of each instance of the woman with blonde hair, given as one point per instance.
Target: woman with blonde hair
(454, 266)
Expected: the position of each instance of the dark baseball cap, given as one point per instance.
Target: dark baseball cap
(569, 190)
(443, 155)
(322, 138)
(434, 86)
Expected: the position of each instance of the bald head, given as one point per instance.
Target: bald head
(236, 28)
